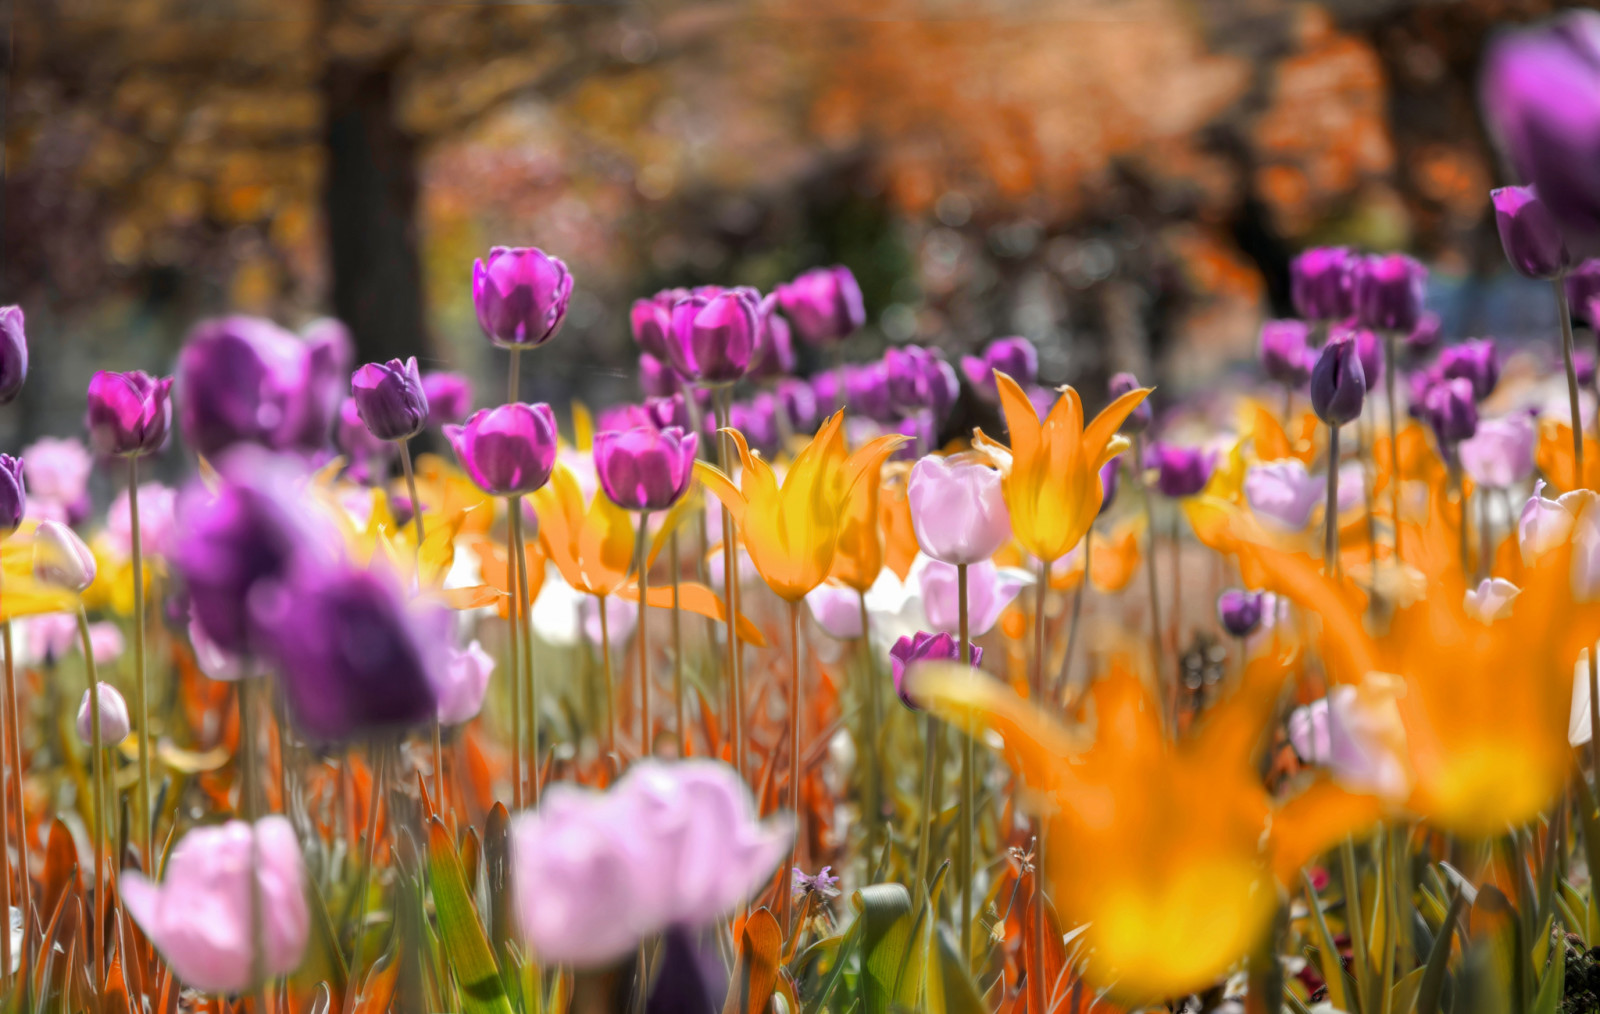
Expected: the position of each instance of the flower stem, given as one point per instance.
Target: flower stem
(1392, 367)
(250, 805)
(98, 825)
(1330, 514)
(730, 589)
(680, 714)
(1463, 547)
(513, 639)
(610, 690)
(141, 692)
(969, 793)
(1036, 986)
(5, 834)
(646, 732)
(376, 754)
(1579, 477)
(416, 503)
(874, 719)
(1355, 923)
(787, 895)
(930, 761)
(1149, 556)
(1064, 680)
(528, 674)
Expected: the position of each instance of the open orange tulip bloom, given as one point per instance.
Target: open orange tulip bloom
(591, 544)
(1169, 854)
(1052, 470)
(791, 530)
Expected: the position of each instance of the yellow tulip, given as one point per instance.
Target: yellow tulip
(1052, 470)
(792, 529)
(21, 594)
(591, 544)
(1170, 855)
(859, 557)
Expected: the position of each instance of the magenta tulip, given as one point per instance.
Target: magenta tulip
(130, 414)
(645, 469)
(521, 295)
(509, 450)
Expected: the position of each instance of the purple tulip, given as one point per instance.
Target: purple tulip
(656, 378)
(207, 919)
(390, 398)
(713, 338)
(114, 722)
(1477, 361)
(1583, 289)
(914, 380)
(1239, 611)
(58, 477)
(1110, 479)
(1450, 408)
(918, 426)
(1338, 385)
(1425, 336)
(1286, 355)
(798, 402)
(1016, 357)
(1180, 471)
(1541, 99)
(1140, 418)
(1389, 292)
(645, 469)
(13, 354)
(1322, 283)
(509, 450)
(367, 453)
(774, 355)
(326, 352)
(925, 647)
(1583, 364)
(449, 397)
(13, 496)
(351, 656)
(867, 391)
(521, 294)
(246, 380)
(824, 304)
(958, 510)
(130, 414)
(670, 411)
(1529, 233)
(651, 321)
(624, 417)
(757, 419)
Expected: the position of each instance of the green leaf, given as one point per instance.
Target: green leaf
(950, 990)
(471, 960)
(1403, 997)
(1327, 953)
(1432, 983)
(1553, 986)
(886, 923)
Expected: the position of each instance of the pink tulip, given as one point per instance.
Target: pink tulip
(1501, 453)
(989, 590)
(671, 844)
(201, 918)
(1357, 734)
(157, 520)
(958, 510)
(114, 722)
(1283, 494)
(57, 472)
(60, 557)
(466, 681)
(837, 609)
(1491, 600)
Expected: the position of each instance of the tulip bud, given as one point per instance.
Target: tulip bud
(796, 400)
(866, 390)
(114, 723)
(13, 498)
(1529, 233)
(521, 295)
(1338, 386)
(1491, 600)
(1322, 283)
(651, 321)
(1180, 471)
(1016, 357)
(509, 450)
(1477, 361)
(466, 681)
(129, 414)
(656, 378)
(713, 338)
(1142, 416)
(1239, 611)
(1389, 292)
(390, 398)
(958, 510)
(13, 354)
(643, 469)
(824, 304)
(1286, 356)
(61, 558)
(1451, 410)
(774, 355)
(925, 647)
(449, 397)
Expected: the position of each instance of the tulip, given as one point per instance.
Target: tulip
(1529, 233)
(509, 450)
(656, 378)
(1282, 494)
(651, 322)
(114, 722)
(958, 509)
(325, 352)
(643, 469)
(1016, 357)
(1052, 469)
(908, 652)
(1356, 733)
(1180, 471)
(335, 688)
(1545, 524)
(713, 338)
(1541, 99)
(757, 419)
(1389, 292)
(837, 609)
(1322, 283)
(1491, 600)
(1239, 611)
(797, 401)
(990, 590)
(919, 379)
(1338, 386)
(390, 399)
(466, 680)
(665, 413)
(1369, 350)
(824, 304)
(368, 451)
(13, 498)
(1110, 477)
(866, 390)
(774, 355)
(449, 397)
(60, 557)
(58, 474)
(13, 354)
(1141, 417)
(623, 417)
(1501, 452)
(1477, 361)
(1450, 409)
(1425, 336)
(521, 295)
(593, 874)
(1582, 286)
(1285, 355)
(129, 414)
(207, 919)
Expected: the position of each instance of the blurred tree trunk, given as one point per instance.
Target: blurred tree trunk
(370, 204)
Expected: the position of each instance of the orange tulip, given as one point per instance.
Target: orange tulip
(591, 544)
(1052, 469)
(859, 556)
(792, 529)
(894, 510)
(1555, 458)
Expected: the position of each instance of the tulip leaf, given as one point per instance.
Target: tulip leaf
(950, 989)
(471, 959)
(756, 976)
(1552, 987)
(700, 600)
(1327, 952)
(886, 917)
(1432, 984)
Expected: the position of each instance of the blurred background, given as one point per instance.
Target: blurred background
(1124, 181)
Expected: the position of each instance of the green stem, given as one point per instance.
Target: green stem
(1150, 555)
(141, 691)
(874, 719)
(98, 825)
(969, 793)
(1330, 518)
(1392, 368)
(514, 636)
(1064, 680)
(646, 731)
(1036, 985)
(795, 702)
(680, 714)
(1355, 924)
(730, 589)
(610, 691)
(250, 803)
(529, 674)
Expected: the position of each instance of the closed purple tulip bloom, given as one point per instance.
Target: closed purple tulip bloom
(774, 356)
(13, 354)
(351, 656)
(925, 647)
(958, 510)
(1424, 338)
(1450, 408)
(656, 378)
(714, 338)
(1389, 292)
(797, 400)
(757, 419)
(509, 450)
(130, 414)
(326, 352)
(824, 304)
(1239, 611)
(449, 397)
(1541, 99)
(246, 380)
(1138, 420)
(1286, 355)
(1529, 233)
(521, 295)
(1016, 357)
(1338, 385)
(364, 450)
(922, 430)
(907, 372)
(1583, 289)
(651, 321)
(1322, 283)
(390, 398)
(645, 469)
(13, 497)
(1477, 361)
(1180, 471)
(866, 389)
(670, 411)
